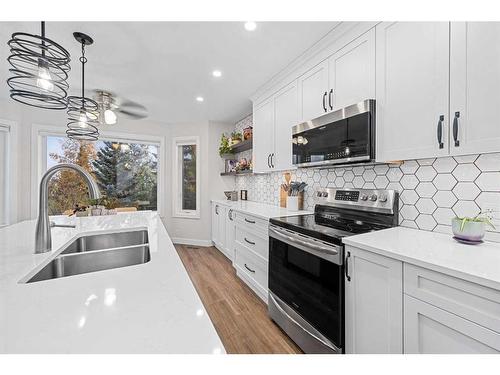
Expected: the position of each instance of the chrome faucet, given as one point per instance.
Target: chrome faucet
(43, 239)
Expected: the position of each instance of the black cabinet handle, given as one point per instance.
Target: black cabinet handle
(455, 129)
(249, 221)
(216, 209)
(248, 268)
(272, 156)
(230, 214)
(330, 99)
(440, 131)
(268, 162)
(250, 242)
(347, 266)
(324, 101)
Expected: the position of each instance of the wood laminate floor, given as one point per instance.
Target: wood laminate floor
(239, 316)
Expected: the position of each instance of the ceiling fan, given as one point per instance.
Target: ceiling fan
(112, 106)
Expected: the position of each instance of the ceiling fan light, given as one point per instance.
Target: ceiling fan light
(109, 117)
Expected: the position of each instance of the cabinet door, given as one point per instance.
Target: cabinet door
(352, 73)
(286, 115)
(263, 139)
(474, 87)
(313, 92)
(412, 67)
(374, 303)
(431, 330)
(221, 237)
(215, 223)
(230, 233)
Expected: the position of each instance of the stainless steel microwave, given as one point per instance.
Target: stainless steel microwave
(340, 137)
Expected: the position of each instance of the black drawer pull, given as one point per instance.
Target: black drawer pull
(249, 221)
(250, 242)
(440, 131)
(455, 129)
(248, 268)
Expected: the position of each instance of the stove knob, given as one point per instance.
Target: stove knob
(373, 197)
(325, 194)
(383, 198)
(364, 197)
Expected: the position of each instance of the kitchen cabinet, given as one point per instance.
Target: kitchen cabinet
(263, 135)
(351, 73)
(273, 121)
(345, 78)
(286, 115)
(412, 66)
(374, 303)
(230, 233)
(219, 226)
(474, 83)
(431, 330)
(314, 89)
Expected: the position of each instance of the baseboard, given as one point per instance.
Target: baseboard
(190, 241)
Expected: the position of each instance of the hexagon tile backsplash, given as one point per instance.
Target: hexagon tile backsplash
(432, 191)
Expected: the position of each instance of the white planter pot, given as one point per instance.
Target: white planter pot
(472, 230)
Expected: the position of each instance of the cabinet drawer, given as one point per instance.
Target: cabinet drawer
(255, 242)
(252, 223)
(252, 267)
(431, 330)
(471, 301)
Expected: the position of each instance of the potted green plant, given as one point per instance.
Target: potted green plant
(236, 138)
(225, 147)
(471, 229)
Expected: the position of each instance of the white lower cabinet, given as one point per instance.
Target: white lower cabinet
(220, 228)
(441, 313)
(431, 330)
(374, 303)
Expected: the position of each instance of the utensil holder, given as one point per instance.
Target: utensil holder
(292, 203)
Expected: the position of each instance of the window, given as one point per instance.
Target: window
(126, 172)
(4, 174)
(187, 182)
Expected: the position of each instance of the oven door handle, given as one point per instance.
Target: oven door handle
(281, 310)
(312, 246)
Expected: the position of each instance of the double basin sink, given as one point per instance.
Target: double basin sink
(97, 252)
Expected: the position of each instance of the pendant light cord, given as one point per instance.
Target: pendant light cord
(43, 38)
(83, 59)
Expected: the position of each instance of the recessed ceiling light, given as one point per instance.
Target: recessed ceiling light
(250, 26)
(217, 73)
(199, 98)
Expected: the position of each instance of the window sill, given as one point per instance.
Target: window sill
(186, 216)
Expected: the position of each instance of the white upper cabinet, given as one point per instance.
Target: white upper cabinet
(263, 135)
(313, 92)
(286, 115)
(474, 87)
(352, 73)
(412, 65)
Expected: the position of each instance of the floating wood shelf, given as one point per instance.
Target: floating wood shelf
(245, 172)
(240, 147)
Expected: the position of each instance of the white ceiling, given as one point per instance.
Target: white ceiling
(165, 65)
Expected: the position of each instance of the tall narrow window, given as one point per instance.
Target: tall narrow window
(186, 185)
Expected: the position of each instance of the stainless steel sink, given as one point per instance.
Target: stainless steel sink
(107, 241)
(97, 253)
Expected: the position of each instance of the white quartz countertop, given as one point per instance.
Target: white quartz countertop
(436, 251)
(146, 308)
(263, 210)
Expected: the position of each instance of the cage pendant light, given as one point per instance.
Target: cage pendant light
(38, 70)
(83, 112)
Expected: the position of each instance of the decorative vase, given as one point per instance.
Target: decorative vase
(472, 231)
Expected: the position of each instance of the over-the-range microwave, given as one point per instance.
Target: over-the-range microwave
(341, 137)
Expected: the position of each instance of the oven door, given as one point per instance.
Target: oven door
(306, 285)
(340, 137)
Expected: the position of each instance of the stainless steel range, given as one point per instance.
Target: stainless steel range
(307, 263)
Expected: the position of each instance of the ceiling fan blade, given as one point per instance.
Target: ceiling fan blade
(133, 113)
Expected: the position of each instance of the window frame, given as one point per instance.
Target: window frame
(9, 215)
(177, 174)
(40, 133)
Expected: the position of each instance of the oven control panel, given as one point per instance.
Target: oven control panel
(376, 200)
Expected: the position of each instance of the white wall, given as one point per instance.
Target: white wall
(195, 231)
